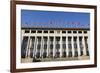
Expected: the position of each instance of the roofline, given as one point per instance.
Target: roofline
(56, 28)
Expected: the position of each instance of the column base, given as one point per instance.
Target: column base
(26, 60)
(48, 59)
(84, 57)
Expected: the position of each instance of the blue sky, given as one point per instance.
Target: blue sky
(54, 19)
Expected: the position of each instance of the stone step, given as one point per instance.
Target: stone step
(28, 60)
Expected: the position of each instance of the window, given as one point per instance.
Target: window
(39, 31)
(57, 42)
(64, 54)
(57, 54)
(33, 31)
(69, 43)
(51, 42)
(45, 31)
(27, 31)
(51, 46)
(69, 31)
(63, 31)
(76, 54)
(39, 43)
(38, 54)
(51, 54)
(85, 31)
(51, 31)
(44, 55)
(70, 54)
(45, 42)
(75, 42)
(79, 31)
(64, 42)
(74, 31)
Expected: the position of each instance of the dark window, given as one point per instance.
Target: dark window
(44, 55)
(58, 46)
(51, 54)
(74, 31)
(81, 53)
(24, 46)
(64, 42)
(51, 31)
(75, 42)
(69, 46)
(39, 43)
(51, 42)
(45, 31)
(58, 54)
(33, 31)
(45, 46)
(38, 46)
(26, 31)
(76, 54)
(57, 41)
(39, 31)
(38, 55)
(51, 46)
(57, 38)
(70, 54)
(64, 54)
(51, 38)
(79, 31)
(69, 31)
(64, 46)
(69, 43)
(87, 53)
(85, 31)
(63, 31)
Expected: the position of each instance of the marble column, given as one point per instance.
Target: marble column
(72, 41)
(67, 51)
(27, 48)
(54, 44)
(84, 48)
(60, 46)
(78, 46)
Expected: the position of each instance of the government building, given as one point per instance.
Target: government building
(40, 44)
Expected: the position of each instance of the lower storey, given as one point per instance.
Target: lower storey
(30, 60)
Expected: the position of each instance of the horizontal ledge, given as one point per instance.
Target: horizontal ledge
(56, 28)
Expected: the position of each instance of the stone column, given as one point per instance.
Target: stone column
(48, 46)
(84, 48)
(22, 32)
(54, 44)
(27, 46)
(30, 44)
(41, 49)
(72, 47)
(67, 51)
(78, 46)
(34, 49)
(60, 46)
(88, 42)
